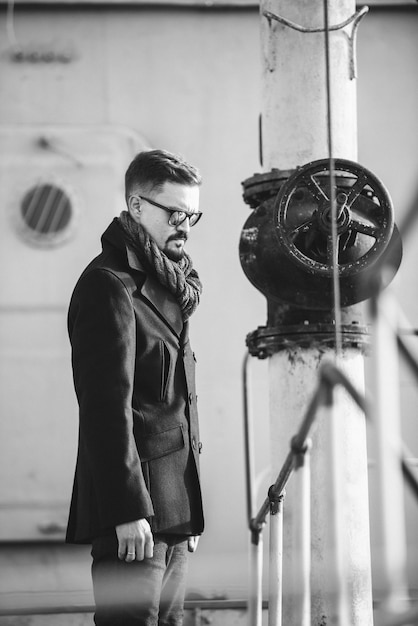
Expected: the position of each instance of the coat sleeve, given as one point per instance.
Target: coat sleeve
(102, 334)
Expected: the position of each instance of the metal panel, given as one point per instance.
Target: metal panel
(38, 270)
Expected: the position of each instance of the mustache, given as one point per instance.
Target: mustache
(178, 236)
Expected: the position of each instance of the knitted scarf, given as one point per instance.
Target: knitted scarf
(178, 277)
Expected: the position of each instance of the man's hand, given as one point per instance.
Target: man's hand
(135, 541)
(192, 543)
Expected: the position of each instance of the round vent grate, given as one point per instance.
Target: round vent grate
(46, 210)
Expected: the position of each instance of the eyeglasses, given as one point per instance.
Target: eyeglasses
(177, 216)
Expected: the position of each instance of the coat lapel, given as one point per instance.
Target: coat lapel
(164, 303)
(159, 298)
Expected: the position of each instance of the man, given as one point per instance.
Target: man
(136, 494)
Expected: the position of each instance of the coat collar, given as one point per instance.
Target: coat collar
(156, 296)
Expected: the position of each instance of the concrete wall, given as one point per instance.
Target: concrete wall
(186, 79)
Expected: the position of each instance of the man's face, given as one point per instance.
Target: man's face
(170, 239)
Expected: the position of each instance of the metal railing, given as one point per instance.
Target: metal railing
(297, 464)
(388, 343)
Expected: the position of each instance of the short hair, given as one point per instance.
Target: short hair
(152, 168)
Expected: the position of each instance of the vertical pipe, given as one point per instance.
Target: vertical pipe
(294, 106)
(333, 577)
(249, 455)
(336, 509)
(294, 132)
(341, 558)
(256, 547)
(276, 562)
(386, 418)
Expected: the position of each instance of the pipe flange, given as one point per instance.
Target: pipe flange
(261, 187)
(268, 340)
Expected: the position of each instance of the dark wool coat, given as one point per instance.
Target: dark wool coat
(133, 373)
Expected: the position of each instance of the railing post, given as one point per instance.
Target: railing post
(256, 575)
(300, 572)
(337, 557)
(386, 418)
(276, 559)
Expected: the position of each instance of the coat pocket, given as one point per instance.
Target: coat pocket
(160, 444)
(154, 373)
(165, 370)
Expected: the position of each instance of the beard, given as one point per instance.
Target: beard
(172, 251)
(174, 255)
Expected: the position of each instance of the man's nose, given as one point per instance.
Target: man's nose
(184, 226)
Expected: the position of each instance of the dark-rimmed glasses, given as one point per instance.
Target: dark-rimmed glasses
(177, 216)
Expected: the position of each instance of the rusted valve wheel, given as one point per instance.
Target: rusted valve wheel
(303, 218)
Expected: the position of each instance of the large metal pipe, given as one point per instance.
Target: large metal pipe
(294, 103)
(294, 132)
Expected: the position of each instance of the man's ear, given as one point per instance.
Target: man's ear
(134, 207)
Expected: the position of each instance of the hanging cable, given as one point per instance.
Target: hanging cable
(333, 249)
